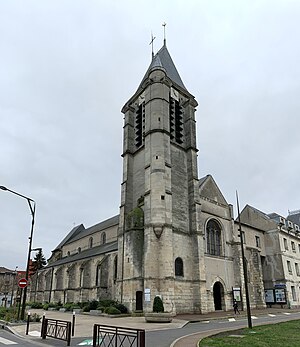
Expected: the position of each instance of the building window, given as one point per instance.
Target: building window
(98, 275)
(79, 249)
(213, 238)
(90, 242)
(115, 268)
(293, 293)
(139, 125)
(81, 277)
(178, 267)
(297, 269)
(257, 241)
(176, 121)
(286, 247)
(299, 247)
(103, 238)
(289, 267)
(293, 246)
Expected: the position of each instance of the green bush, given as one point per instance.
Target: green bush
(86, 308)
(106, 303)
(158, 305)
(45, 307)
(36, 305)
(68, 306)
(35, 317)
(93, 304)
(112, 310)
(122, 308)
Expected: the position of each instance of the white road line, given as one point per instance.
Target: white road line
(231, 319)
(254, 317)
(7, 342)
(205, 321)
(271, 315)
(287, 313)
(34, 333)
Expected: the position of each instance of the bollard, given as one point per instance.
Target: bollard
(28, 320)
(43, 322)
(73, 323)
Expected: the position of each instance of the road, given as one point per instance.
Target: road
(161, 338)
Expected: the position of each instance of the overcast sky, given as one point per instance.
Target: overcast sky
(68, 67)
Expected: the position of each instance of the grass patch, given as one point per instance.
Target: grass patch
(273, 335)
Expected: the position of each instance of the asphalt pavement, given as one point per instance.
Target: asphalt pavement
(83, 328)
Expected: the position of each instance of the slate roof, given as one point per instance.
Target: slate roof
(294, 217)
(79, 231)
(163, 60)
(91, 252)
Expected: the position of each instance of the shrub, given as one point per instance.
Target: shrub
(68, 306)
(93, 304)
(106, 303)
(122, 308)
(112, 310)
(158, 305)
(35, 304)
(45, 307)
(86, 308)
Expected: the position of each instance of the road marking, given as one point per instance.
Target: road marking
(254, 317)
(287, 313)
(231, 319)
(205, 321)
(34, 333)
(86, 343)
(7, 342)
(271, 315)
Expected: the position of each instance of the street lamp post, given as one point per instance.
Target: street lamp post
(245, 270)
(31, 204)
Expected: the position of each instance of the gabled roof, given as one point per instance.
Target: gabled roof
(91, 252)
(162, 59)
(208, 188)
(79, 231)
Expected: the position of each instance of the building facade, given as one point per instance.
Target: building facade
(175, 236)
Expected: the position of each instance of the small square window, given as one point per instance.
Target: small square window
(257, 241)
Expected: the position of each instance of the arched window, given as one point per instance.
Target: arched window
(178, 267)
(115, 268)
(79, 249)
(213, 237)
(103, 238)
(90, 242)
(98, 275)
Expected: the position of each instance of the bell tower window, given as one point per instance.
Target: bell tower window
(139, 125)
(176, 121)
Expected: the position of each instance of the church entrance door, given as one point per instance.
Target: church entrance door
(139, 300)
(218, 291)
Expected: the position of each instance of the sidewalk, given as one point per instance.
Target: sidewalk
(84, 323)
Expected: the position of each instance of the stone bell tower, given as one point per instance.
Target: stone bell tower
(159, 238)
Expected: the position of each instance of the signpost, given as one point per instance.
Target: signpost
(22, 283)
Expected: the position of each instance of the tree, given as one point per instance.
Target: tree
(158, 305)
(38, 262)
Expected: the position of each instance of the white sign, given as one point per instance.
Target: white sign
(269, 295)
(147, 297)
(147, 290)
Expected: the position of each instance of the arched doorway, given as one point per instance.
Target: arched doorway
(218, 291)
(139, 300)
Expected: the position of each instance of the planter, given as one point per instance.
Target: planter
(77, 310)
(95, 312)
(62, 309)
(161, 317)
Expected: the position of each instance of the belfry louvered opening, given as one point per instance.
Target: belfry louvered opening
(139, 125)
(176, 121)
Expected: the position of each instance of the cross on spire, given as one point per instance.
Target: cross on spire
(151, 43)
(164, 25)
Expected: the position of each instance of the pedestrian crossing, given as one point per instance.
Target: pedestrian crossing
(232, 319)
(6, 341)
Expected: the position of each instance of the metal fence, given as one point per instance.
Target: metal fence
(58, 329)
(110, 336)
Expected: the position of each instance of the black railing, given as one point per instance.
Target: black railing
(109, 336)
(58, 329)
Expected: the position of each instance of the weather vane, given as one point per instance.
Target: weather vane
(164, 25)
(151, 43)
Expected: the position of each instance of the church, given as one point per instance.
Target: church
(175, 236)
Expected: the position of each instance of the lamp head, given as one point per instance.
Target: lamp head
(3, 188)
